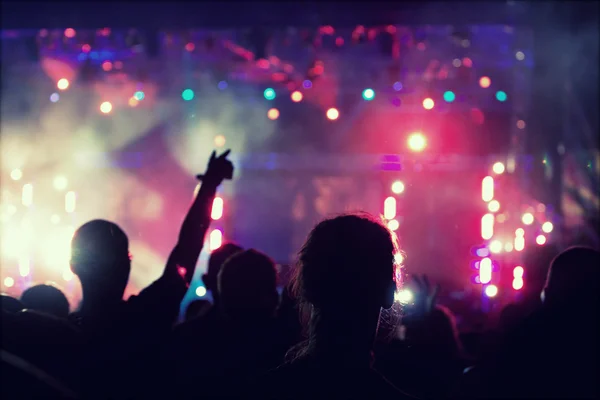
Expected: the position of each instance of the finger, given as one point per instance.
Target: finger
(427, 284)
(225, 154)
(213, 155)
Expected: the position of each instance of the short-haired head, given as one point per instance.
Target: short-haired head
(215, 262)
(47, 299)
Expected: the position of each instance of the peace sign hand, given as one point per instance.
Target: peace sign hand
(219, 168)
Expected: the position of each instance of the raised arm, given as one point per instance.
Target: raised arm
(197, 221)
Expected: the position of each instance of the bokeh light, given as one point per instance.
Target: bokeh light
(491, 291)
(495, 246)
(494, 206)
(520, 232)
(498, 168)
(190, 46)
(397, 86)
(54, 97)
(273, 114)
(70, 33)
(527, 218)
(485, 82)
(307, 84)
(456, 62)
(220, 140)
(60, 182)
(393, 225)
(540, 239)
(187, 94)
(139, 95)
(107, 66)
(521, 124)
(467, 62)
(398, 187)
(368, 94)
(269, 94)
(133, 102)
(9, 282)
(417, 142)
(106, 107)
(428, 103)
(333, 114)
(200, 291)
(222, 85)
(403, 296)
(501, 96)
(547, 227)
(16, 174)
(519, 55)
(449, 96)
(296, 96)
(62, 84)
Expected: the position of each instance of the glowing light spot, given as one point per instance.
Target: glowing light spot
(487, 188)
(428, 103)
(491, 291)
(24, 266)
(70, 201)
(398, 258)
(368, 94)
(521, 124)
(16, 174)
(106, 107)
(403, 296)
(393, 225)
(520, 232)
(498, 168)
(467, 62)
(519, 55)
(333, 114)
(60, 182)
(273, 114)
(54, 97)
(67, 275)
(449, 96)
(487, 226)
(200, 291)
(133, 102)
(220, 140)
(389, 207)
(456, 62)
(86, 48)
(222, 85)
(217, 208)
(270, 94)
(501, 96)
(9, 282)
(139, 95)
(485, 270)
(70, 33)
(215, 239)
(540, 239)
(547, 227)
(296, 96)
(397, 86)
(519, 243)
(190, 47)
(107, 66)
(485, 82)
(518, 272)
(398, 187)
(494, 206)
(518, 283)
(508, 247)
(527, 218)
(417, 142)
(307, 84)
(496, 246)
(62, 84)
(27, 195)
(187, 94)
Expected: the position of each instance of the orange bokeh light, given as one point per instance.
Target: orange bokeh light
(428, 103)
(485, 82)
(333, 114)
(297, 96)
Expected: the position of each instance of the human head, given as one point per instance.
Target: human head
(100, 258)
(46, 298)
(215, 262)
(346, 272)
(573, 279)
(10, 304)
(247, 284)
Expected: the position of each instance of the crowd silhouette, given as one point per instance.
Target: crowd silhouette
(334, 332)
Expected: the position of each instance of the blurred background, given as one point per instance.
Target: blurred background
(471, 128)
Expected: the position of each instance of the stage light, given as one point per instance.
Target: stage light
(200, 291)
(215, 239)
(296, 96)
(519, 243)
(517, 283)
(487, 188)
(520, 232)
(70, 200)
(397, 86)
(62, 84)
(107, 66)
(273, 114)
(547, 227)
(540, 239)
(494, 206)
(498, 168)
(518, 272)
(491, 291)
(368, 94)
(27, 195)
(398, 187)
(70, 33)
(16, 174)
(60, 183)
(333, 114)
(485, 270)
(403, 296)
(508, 247)
(449, 96)
(54, 97)
(519, 55)
(269, 94)
(389, 207)
(24, 266)
(487, 226)
(189, 47)
(496, 246)
(139, 95)
(105, 107)
(187, 94)
(220, 140)
(217, 208)
(501, 96)
(527, 218)
(428, 103)
(485, 82)
(398, 258)
(417, 142)
(393, 225)
(133, 102)
(9, 282)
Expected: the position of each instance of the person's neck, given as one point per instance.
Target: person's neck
(94, 305)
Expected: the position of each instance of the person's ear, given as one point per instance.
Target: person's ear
(388, 295)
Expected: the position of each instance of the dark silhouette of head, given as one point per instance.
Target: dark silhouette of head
(346, 273)
(573, 280)
(196, 308)
(215, 262)
(444, 332)
(100, 259)
(10, 304)
(47, 299)
(247, 284)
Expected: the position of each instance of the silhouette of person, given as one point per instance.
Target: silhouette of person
(346, 274)
(10, 304)
(196, 309)
(46, 298)
(126, 330)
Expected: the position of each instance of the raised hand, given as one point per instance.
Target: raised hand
(425, 296)
(219, 168)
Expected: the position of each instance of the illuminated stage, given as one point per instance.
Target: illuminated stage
(115, 125)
